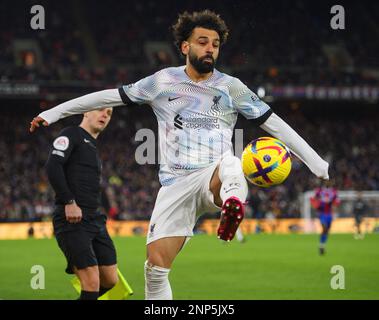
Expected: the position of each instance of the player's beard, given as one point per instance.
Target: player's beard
(199, 64)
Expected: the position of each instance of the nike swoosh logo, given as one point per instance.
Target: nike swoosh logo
(172, 99)
(89, 143)
(226, 191)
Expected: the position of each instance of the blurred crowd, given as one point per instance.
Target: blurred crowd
(290, 42)
(347, 142)
(103, 44)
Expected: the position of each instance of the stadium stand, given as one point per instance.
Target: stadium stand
(83, 50)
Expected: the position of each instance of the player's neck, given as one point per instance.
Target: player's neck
(196, 76)
(87, 128)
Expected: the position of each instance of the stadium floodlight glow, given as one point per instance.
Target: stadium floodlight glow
(261, 92)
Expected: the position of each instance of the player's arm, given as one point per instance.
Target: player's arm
(59, 154)
(282, 131)
(92, 101)
(251, 107)
(143, 91)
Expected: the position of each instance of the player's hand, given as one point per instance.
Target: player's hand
(321, 171)
(36, 123)
(325, 176)
(73, 213)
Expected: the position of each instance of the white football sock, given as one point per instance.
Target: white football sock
(239, 235)
(157, 285)
(233, 179)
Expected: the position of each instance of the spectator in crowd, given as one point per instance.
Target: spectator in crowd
(24, 195)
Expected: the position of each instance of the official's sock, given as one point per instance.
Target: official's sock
(88, 295)
(103, 290)
(232, 179)
(157, 285)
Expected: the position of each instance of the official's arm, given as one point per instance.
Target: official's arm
(59, 154)
(57, 178)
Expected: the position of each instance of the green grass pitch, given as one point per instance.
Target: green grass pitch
(264, 267)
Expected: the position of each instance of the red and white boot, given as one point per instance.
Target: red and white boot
(232, 213)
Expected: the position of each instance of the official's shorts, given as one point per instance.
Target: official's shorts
(178, 206)
(358, 219)
(84, 244)
(326, 220)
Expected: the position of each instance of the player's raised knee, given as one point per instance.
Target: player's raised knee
(230, 166)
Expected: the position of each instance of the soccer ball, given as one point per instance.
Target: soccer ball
(266, 162)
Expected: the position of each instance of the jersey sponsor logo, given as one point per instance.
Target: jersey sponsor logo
(61, 143)
(178, 122)
(196, 121)
(172, 99)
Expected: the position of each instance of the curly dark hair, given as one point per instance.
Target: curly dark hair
(207, 19)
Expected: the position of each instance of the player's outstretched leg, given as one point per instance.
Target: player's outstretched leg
(160, 255)
(233, 193)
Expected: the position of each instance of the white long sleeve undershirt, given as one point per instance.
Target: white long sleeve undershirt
(275, 126)
(96, 100)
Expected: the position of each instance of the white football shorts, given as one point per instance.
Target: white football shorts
(178, 206)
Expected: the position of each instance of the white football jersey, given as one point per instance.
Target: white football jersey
(195, 119)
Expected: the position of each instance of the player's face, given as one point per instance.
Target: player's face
(99, 119)
(202, 49)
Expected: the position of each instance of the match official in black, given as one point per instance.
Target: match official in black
(74, 170)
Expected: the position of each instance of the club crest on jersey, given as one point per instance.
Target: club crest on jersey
(254, 97)
(216, 100)
(216, 104)
(61, 143)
